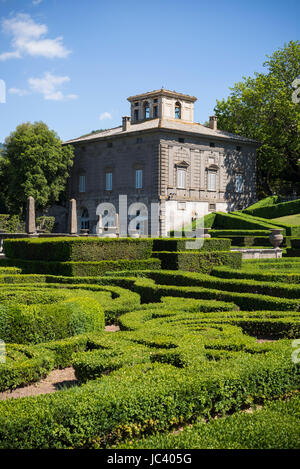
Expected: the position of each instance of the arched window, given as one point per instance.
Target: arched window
(84, 219)
(177, 110)
(146, 110)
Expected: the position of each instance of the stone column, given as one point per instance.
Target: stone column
(30, 227)
(117, 225)
(72, 221)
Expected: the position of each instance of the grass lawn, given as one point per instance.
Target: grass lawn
(290, 219)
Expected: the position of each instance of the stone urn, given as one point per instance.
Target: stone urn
(206, 233)
(84, 232)
(276, 237)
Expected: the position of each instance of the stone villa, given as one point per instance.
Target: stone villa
(160, 155)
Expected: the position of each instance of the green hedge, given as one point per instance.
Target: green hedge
(293, 252)
(256, 430)
(275, 211)
(242, 233)
(198, 261)
(236, 220)
(149, 291)
(82, 269)
(289, 230)
(233, 285)
(295, 243)
(78, 249)
(179, 244)
(266, 202)
(258, 275)
(142, 399)
(31, 324)
(10, 270)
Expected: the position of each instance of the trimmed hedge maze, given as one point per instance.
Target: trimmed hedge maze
(192, 348)
(98, 256)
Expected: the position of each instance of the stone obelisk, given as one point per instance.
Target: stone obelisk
(72, 221)
(30, 227)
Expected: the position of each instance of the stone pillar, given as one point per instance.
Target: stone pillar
(30, 227)
(72, 221)
(117, 225)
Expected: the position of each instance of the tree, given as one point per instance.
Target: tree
(261, 107)
(34, 163)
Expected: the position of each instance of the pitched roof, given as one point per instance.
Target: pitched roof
(163, 124)
(162, 92)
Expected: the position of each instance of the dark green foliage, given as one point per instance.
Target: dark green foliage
(241, 233)
(179, 244)
(34, 163)
(198, 261)
(258, 275)
(261, 107)
(83, 269)
(45, 224)
(295, 243)
(293, 252)
(78, 249)
(11, 224)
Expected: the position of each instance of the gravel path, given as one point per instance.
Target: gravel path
(56, 380)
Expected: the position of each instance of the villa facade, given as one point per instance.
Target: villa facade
(160, 156)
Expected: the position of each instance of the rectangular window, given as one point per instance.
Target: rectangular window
(181, 178)
(136, 114)
(109, 144)
(212, 207)
(181, 140)
(108, 181)
(211, 144)
(212, 180)
(82, 183)
(139, 179)
(238, 148)
(139, 140)
(155, 111)
(238, 183)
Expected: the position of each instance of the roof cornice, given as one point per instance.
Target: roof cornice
(162, 92)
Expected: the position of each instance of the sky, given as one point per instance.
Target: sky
(73, 63)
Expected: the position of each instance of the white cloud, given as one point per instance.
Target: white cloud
(36, 2)
(18, 91)
(10, 55)
(105, 115)
(48, 85)
(28, 38)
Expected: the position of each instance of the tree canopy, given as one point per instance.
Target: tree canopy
(262, 108)
(34, 164)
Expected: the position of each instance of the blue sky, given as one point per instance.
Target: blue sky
(73, 63)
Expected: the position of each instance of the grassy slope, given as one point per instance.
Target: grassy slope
(289, 220)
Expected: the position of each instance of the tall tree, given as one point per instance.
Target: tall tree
(34, 163)
(261, 107)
